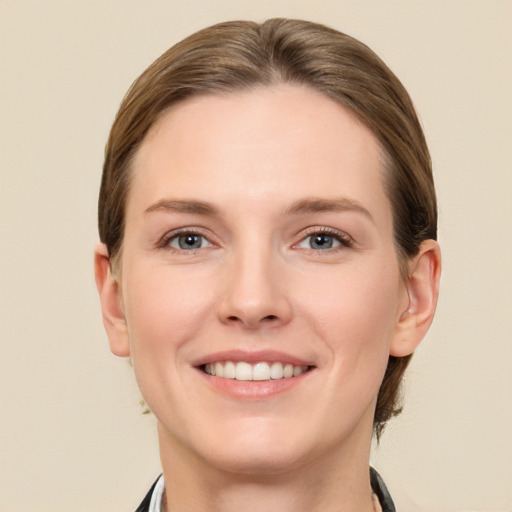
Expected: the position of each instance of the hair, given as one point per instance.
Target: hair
(242, 55)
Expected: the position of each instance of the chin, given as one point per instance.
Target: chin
(261, 447)
(253, 460)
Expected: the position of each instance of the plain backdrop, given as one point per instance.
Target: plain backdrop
(72, 436)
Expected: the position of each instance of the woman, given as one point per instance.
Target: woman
(268, 262)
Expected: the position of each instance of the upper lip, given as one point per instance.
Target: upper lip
(252, 357)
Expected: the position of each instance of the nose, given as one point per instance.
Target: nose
(254, 295)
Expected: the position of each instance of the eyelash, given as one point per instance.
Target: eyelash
(345, 240)
(166, 240)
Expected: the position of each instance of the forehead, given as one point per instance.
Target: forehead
(283, 141)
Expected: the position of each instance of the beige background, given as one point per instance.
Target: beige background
(71, 434)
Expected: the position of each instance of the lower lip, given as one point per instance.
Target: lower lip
(253, 389)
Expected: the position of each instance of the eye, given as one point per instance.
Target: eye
(188, 242)
(319, 241)
(323, 241)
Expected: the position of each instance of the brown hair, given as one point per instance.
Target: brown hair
(241, 55)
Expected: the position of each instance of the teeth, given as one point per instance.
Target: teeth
(219, 370)
(288, 371)
(258, 371)
(243, 371)
(261, 371)
(229, 370)
(276, 371)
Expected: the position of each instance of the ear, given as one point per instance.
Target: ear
(111, 303)
(422, 290)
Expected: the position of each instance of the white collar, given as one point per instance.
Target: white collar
(155, 505)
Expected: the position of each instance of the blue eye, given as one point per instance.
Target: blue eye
(322, 242)
(188, 242)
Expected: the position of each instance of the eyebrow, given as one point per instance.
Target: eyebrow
(317, 204)
(300, 207)
(183, 206)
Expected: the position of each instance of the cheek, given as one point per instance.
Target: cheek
(164, 310)
(355, 315)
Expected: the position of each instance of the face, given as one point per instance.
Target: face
(259, 288)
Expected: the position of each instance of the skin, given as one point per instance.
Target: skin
(274, 167)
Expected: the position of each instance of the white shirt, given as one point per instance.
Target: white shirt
(155, 505)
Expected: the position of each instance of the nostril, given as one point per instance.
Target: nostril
(268, 318)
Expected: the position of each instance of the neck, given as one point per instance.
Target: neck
(333, 482)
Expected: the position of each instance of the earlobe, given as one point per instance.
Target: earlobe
(111, 303)
(422, 286)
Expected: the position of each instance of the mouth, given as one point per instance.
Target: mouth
(260, 371)
(254, 375)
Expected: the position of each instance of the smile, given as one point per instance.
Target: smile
(260, 371)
